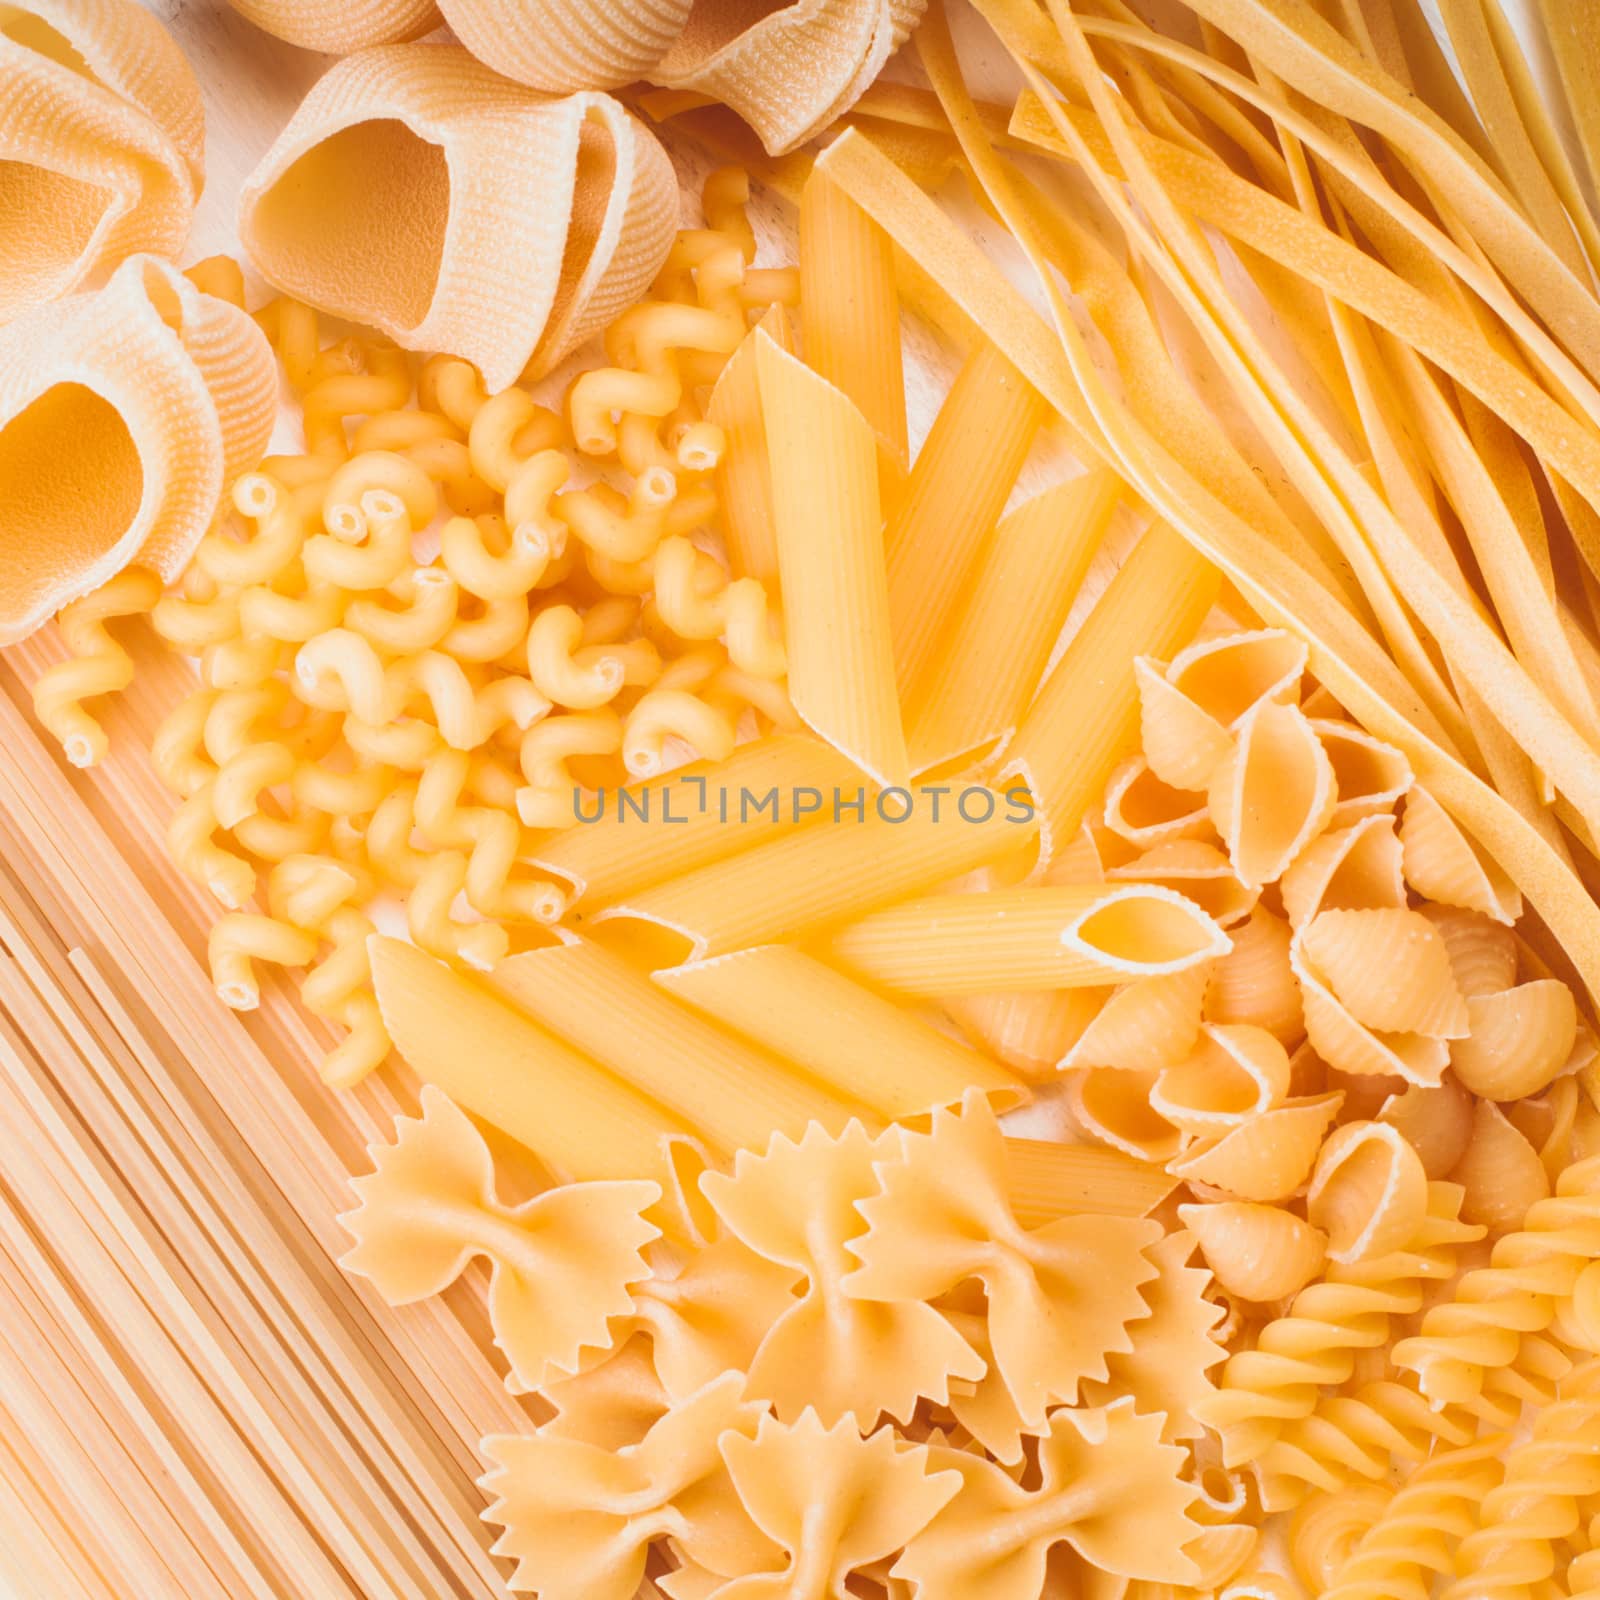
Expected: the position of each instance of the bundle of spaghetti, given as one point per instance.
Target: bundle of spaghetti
(103, 137)
(1507, 724)
(1536, 1508)
(1314, 1347)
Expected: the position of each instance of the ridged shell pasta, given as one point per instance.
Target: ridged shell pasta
(1195, 869)
(1267, 1159)
(1518, 1039)
(1273, 794)
(1255, 983)
(1348, 869)
(1443, 864)
(1370, 776)
(416, 191)
(1234, 1075)
(1146, 1025)
(1369, 1191)
(1390, 969)
(338, 29)
(1146, 811)
(101, 144)
(1257, 1252)
(1500, 1172)
(124, 414)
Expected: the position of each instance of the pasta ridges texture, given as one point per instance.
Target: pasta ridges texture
(338, 29)
(395, 198)
(123, 416)
(102, 132)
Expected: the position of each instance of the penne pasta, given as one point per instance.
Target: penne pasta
(700, 814)
(816, 879)
(975, 689)
(1046, 1180)
(851, 310)
(1071, 936)
(735, 1094)
(952, 500)
(1085, 721)
(842, 1034)
(830, 556)
(571, 1112)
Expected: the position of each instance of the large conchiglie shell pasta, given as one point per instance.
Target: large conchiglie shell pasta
(1368, 1192)
(101, 144)
(342, 27)
(124, 414)
(1256, 1252)
(561, 45)
(787, 69)
(1391, 968)
(419, 192)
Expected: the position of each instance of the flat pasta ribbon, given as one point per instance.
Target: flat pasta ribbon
(349, 25)
(101, 144)
(124, 415)
(1060, 1297)
(838, 1354)
(418, 192)
(560, 1265)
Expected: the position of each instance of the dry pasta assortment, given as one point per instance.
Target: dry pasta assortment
(995, 1008)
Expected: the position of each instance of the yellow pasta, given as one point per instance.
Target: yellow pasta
(1499, 1170)
(1368, 1192)
(735, 1093)
(1148, 1025)
(1085, 720)
(1046, 1179)
(1148, 812)
(1112, 1105)
(1518, 1039)
(1086, 935)
(973, 692)
(839, 1032)
(1197, 870)
(1390, 968)
(1369, 776)
(1234, 1075)
(1255, 983)
(354, 27)
(1267, 1159)
(810, 880)
(1358, 868)
(1257, 1252)
(830, 555)
(952, 500)
(1443, 864)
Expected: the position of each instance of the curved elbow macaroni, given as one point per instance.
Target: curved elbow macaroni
(531, 547)
(383, 523)
(426, 615)
(673, 713)
(240, 939)
(567, 672)
(696, 601)
(97, 665)
(546, 799)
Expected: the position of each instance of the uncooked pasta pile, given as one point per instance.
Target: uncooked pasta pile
(913, 1002)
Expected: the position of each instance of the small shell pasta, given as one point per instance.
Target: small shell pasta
(1114, 1107)
(1268, 1158)
(1390, 968)
(1273, 794)
(1146, 1025)
(1348, 869)
(1229, 675)
(1369, 1191)
(1255, 983)
(1519, 1039)
(1483, 953)
(1196, 869)
(1370, 776)
(1257, 1252)
(1183, 744)
(1436, 1121)
(1443, 864)
(1500, 1172)
(1235, 1073)
(1146, 811)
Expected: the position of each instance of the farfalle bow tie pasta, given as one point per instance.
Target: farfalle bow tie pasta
(101, 144)
(124, 414)
(417, 192)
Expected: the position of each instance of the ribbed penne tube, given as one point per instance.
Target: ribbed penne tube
(851, 309)
(1443, 864)
(670, 826)
(1358, 868)
(102, 132)
(1517, 1041)
(735, 1093)
(816, 879)
(1273, 794)
(1368, 775)
(1147, 1025)
(744, 471)
(791, 69)
(1085, 720)
(830, 554)
(1235, 1073)
(1369, 1191)
(1072, 936)
(952, 500)
(1255, 983)
(1267, 1159)
(338, 30)
(124, 414)
(976, 687)
(501, 1066)
(560, 45)
(839, 1032)
(507, 260)
(1255, 1251)
(1046, 1179)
